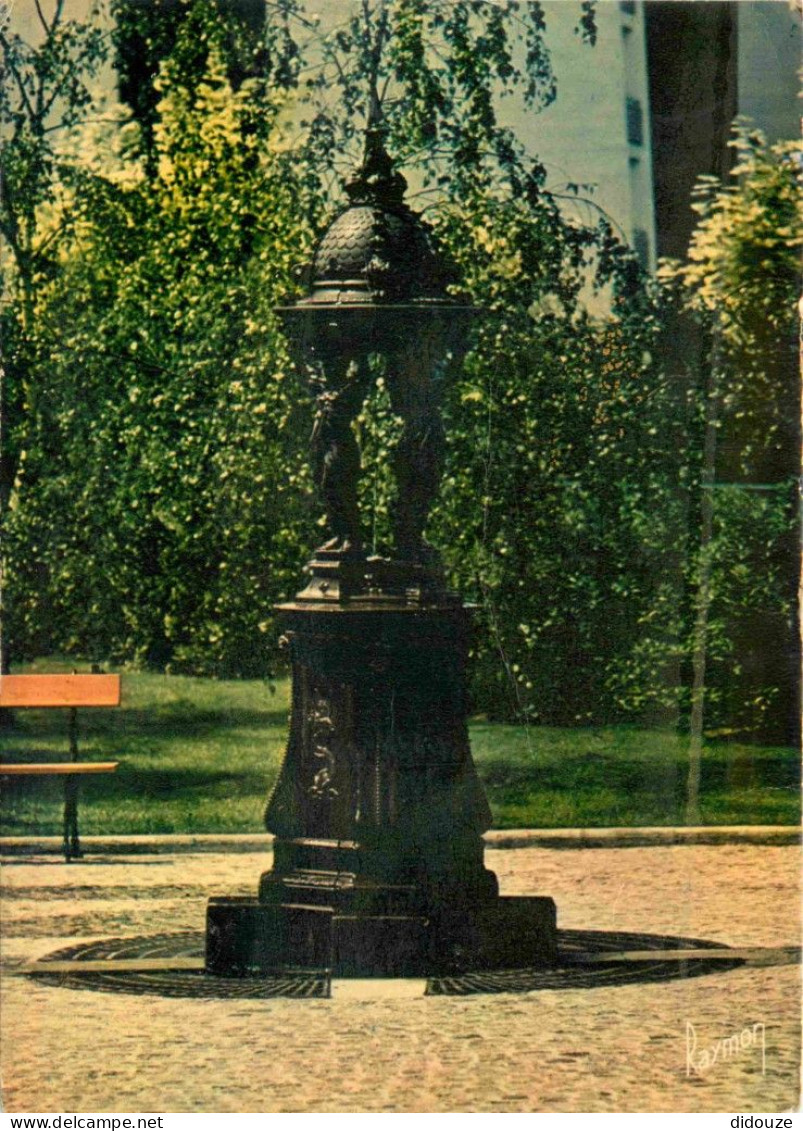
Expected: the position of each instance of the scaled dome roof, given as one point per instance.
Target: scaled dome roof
(377, 250)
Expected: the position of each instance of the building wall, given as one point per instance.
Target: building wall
(588, 135)
(769, 63)
(709, 63)
(686, 68)
(692, 60)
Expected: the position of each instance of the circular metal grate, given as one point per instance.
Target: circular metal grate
(171, 983)
(586, 960)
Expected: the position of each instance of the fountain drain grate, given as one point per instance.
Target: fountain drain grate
(586, 960)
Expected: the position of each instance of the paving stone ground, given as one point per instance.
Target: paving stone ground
(609, 1048)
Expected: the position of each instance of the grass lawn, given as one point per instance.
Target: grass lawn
(200, 756)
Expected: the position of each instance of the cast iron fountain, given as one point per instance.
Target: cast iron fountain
(378, 813)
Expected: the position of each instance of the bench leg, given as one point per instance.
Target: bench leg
(72, 845)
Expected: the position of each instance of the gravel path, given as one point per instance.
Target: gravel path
(616, 1048)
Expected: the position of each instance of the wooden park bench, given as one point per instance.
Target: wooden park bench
(72, 692)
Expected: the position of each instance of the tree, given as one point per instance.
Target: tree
(433, 72)
(159, 502)
(46, 93)
(741, 285)
(145, 35)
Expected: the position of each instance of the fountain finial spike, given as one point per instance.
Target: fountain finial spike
(376, 181)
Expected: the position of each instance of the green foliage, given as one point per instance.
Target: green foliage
(558, 513)
(146, 34)
(433, 72)
(44, 95)
(155, 517)
(170, 451)
(742, 279)
(744, 259)
(556, 463)
(741, 284)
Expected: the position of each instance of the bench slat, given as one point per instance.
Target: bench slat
(58, 767)
(59, 690)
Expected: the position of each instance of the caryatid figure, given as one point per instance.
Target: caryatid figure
(378, 287)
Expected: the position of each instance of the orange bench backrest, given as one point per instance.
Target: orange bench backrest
(59, 690)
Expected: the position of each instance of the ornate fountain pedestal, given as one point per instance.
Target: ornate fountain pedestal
(378, 813)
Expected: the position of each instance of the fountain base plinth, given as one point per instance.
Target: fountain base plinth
(378, 813)
(247, 936)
